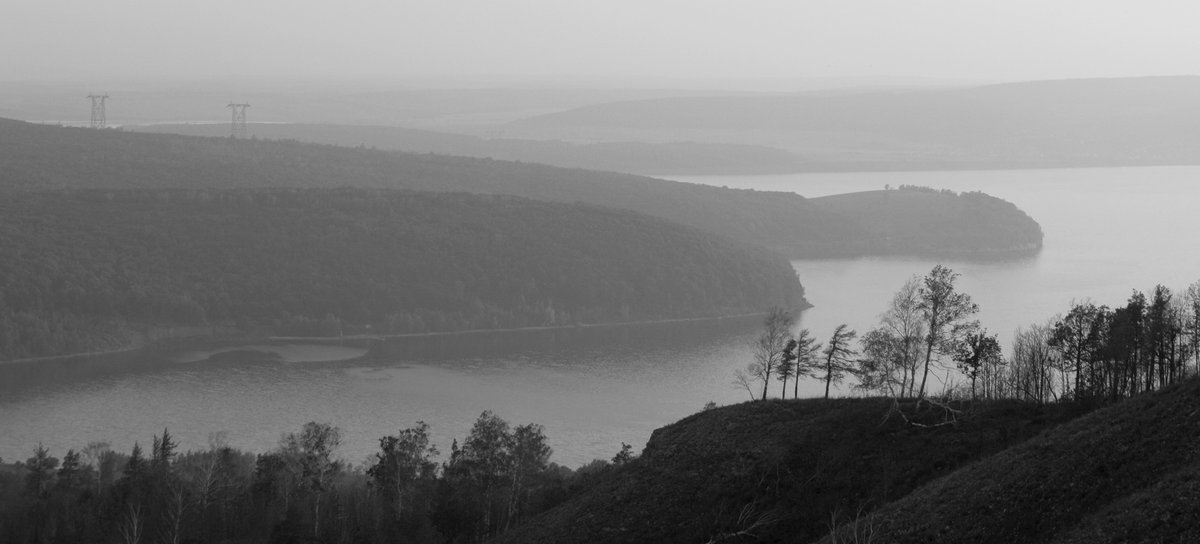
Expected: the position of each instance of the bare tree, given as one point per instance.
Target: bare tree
(1191, 308)
(807, 349)
(1031, 372)
(744, 379)
(130, 524)
(787, 367)
(904, 322)
(839, 356)
(767, 348)
(945, 313)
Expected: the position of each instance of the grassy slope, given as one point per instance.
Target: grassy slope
(1128, 473)
(46, 157)
(801, 460)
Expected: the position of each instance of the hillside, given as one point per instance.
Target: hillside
(77, 266)
(796, 461)
(1128, 473)
(48, 157)
(1085, 122)
(912, 217)
(691, 158)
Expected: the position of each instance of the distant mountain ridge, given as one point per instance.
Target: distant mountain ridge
(1084, 122)
(38, 157)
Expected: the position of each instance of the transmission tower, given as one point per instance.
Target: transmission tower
(99, 120)
(237, 126)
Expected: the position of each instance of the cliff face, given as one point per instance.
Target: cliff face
(777, 470)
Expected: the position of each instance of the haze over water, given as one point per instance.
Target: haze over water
(1107, 232)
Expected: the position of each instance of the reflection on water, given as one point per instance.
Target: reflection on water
(1108, 231)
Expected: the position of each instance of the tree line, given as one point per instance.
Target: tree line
(1092, 353)
(300, 491)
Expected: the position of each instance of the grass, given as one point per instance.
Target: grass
(1127, 473)
(777, 471)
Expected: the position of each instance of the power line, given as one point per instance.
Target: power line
(99, 119)
(237, 126)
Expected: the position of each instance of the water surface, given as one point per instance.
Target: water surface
(1108, 231)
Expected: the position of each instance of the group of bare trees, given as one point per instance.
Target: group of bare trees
(1104, 354)
(1090, 353)
(780, 354)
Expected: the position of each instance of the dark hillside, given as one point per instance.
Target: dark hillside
(77, 265)
(798, 461)
(1127, 473)
(47, 157)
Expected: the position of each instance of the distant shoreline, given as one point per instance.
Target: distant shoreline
(204, 342)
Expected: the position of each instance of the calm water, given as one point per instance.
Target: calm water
(1108, 231)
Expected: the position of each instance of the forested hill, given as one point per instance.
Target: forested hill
(928, 221)
(693, 158)
(78, 266)
(48, 157)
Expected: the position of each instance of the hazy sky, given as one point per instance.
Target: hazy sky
(967, 39)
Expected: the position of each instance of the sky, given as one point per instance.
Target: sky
(627, 40)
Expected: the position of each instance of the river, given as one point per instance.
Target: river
(1108, 231)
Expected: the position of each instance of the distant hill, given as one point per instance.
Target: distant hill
(1084, 122)
(47, 157)
(681, 158)
(77, 266)
(796, 462)
(930, 221)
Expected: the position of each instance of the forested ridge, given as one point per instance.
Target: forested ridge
(49, 157)
(77, 265)
(636, 157)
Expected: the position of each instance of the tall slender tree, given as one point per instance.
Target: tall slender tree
(945, 312)
(838, 356)
(1191, 298)
(767, 347)
(787, 366)
(904, 324)
(807, 350)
